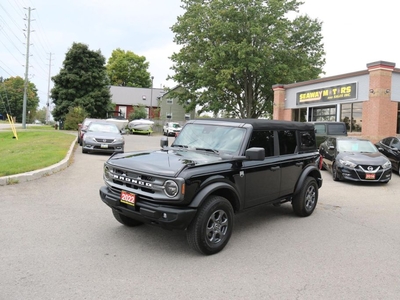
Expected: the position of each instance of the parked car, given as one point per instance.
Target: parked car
(102, 136)
(214, 169)
(323, 129)
(82, 128)
(355, 159)
(171, 128)
(390, 147)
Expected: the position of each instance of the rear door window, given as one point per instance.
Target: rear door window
(287, 142)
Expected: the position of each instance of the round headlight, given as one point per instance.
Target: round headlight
(171, 188)
(107, 173)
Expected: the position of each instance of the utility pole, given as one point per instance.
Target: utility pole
(48, 94)
(26, 69)
(151, 99)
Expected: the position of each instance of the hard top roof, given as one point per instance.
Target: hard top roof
(259, 124)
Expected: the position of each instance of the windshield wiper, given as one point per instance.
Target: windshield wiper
(209, 150)
(179, 146)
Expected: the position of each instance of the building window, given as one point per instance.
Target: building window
(351, 114)
(300, 115)
(327, 113)
(187, 116)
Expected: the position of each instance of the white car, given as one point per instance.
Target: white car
(171, 128)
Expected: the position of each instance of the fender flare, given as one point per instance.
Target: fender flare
(308, 171)
(209, 189)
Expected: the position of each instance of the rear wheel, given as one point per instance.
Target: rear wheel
(212, 227)
(306, 200)
(125, 220)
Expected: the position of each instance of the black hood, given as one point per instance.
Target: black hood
(162, 162)
(374, 158)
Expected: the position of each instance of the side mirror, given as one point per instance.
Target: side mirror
(163, 142)
(255, 153)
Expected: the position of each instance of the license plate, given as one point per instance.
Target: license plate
(369, 176)
(103, 146)
(128, 198)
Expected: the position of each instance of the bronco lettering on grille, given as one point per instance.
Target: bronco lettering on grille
(130, 180)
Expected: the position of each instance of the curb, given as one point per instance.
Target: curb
(32, 175)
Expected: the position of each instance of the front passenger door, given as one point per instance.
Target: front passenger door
(262, 178)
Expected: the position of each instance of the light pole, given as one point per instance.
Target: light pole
(151, 98)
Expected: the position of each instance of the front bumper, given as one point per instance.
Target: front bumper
(358, 174)
(167, 217)
(98, 147)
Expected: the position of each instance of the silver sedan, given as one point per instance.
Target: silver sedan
(102, 136)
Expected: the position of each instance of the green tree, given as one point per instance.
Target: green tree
(12, 98)
(74, 116)
(125, 68)
(82, 82)
(139, 112)
(41, 115)
(233, 51)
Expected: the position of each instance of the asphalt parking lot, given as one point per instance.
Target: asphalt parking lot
(59, 241)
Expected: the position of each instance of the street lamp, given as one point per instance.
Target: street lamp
(151, 98)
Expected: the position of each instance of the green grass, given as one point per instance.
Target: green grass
(35, 148)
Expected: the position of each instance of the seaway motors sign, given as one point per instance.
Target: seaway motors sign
(337, 92)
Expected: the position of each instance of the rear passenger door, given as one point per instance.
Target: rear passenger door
(262, 178)
(291, 166)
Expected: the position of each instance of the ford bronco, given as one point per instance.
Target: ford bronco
(213, 170)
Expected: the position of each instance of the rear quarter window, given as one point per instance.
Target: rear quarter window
(307, 140)
(336, 129)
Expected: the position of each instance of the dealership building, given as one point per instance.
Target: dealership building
(367, 101)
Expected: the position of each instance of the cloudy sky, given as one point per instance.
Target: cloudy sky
(355, 33)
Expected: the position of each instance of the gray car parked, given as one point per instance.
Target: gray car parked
(102, 136)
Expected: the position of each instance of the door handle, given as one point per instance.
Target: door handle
(275, 168)
(299, 164)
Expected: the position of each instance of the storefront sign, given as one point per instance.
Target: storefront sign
(338, 92)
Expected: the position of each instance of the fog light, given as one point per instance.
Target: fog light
(164, 215)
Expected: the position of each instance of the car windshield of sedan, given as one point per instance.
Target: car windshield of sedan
(210, 137)
(356, 146)
(97, 127)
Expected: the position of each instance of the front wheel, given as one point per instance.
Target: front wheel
(125, 220)
(212, 227)
(335, 175)
(306, 200)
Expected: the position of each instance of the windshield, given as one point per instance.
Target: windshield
(356, 146)
(101, 127)
(215, 138)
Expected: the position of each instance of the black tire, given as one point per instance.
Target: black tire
(84, 150)
(125, 220)
(212, 227)
(305, 202)
(335, 176)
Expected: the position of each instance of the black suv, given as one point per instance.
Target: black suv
(214, 169)
(324, 129)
